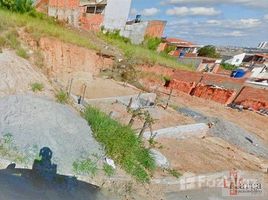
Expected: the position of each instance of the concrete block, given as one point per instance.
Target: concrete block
(160, 159)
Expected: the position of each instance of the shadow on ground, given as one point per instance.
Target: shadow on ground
(43, 183)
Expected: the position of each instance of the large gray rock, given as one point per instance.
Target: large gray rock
(35, 122)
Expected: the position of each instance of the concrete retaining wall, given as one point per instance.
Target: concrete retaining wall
(181, 132)
(139, 100)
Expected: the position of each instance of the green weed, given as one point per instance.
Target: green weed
(108, 170)
(62, 97)
(22, 53)
(87, 166)
(121, 144)
(37, 87)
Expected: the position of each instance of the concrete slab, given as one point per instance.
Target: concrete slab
(181, 132)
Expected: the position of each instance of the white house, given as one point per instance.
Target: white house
(236, 60)
(260, 72)
(116, 14)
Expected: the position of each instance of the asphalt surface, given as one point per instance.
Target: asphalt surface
(24, 184)
(212, 194)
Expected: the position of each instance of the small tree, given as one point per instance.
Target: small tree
(21, 6)
(134, 114)
(208, 51)
(148, 123)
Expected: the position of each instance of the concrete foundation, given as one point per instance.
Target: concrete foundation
(181, 132)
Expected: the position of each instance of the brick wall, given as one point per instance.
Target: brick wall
(209, 79)
(220, 95)
(91, 21)
(188, 82)
(42, 6)
(182, 86)
(70, 4)
(155, 28)
(254, 98)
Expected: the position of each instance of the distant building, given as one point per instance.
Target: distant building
(255, 59)
(92, 14)
(116, 14)
(236, 60)
(137, 30)
(182, 48)
(88, 14)
(263, 45)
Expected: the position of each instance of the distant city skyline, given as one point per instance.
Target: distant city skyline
(241, 23)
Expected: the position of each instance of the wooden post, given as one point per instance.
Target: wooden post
(169, 97)
(130, 103)
(70, 87)
(84, 92)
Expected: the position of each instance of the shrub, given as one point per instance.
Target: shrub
(2, 42)
(62, 97)
(21, 6)
(151, 43)
(169, 49)
(115, 35)
(22, 53)
(121, 144)
(12, 39)
(227, 66)
(208, 51)
(37, 87)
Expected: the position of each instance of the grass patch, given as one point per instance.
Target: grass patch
(38, 58)
(121, 144)
(87, 166)
(37, 87)
(22, 53)
(9, 151)
(108, 170)
(39, 25)
(62, 97)
(142, 54)
(174, 173)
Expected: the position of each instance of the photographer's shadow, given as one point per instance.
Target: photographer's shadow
(43, 182)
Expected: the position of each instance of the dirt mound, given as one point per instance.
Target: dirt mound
(17, 74)
(33, 123)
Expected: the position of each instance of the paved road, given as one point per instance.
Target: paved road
(23, 184)
(210, 194)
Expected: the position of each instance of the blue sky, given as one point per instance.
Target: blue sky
(218, 22)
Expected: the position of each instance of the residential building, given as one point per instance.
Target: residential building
(88, 14)
(202, 64)
(92, 14)
(236, 60)
(137, 30)
(116, 14)
(182, 48)
(263, 45)
(255, 59)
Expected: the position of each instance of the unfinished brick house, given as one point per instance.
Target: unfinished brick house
(88, 14)
(92, 14)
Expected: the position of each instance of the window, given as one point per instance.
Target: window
(98, 9)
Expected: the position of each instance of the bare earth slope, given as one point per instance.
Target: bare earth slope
(17, 74)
